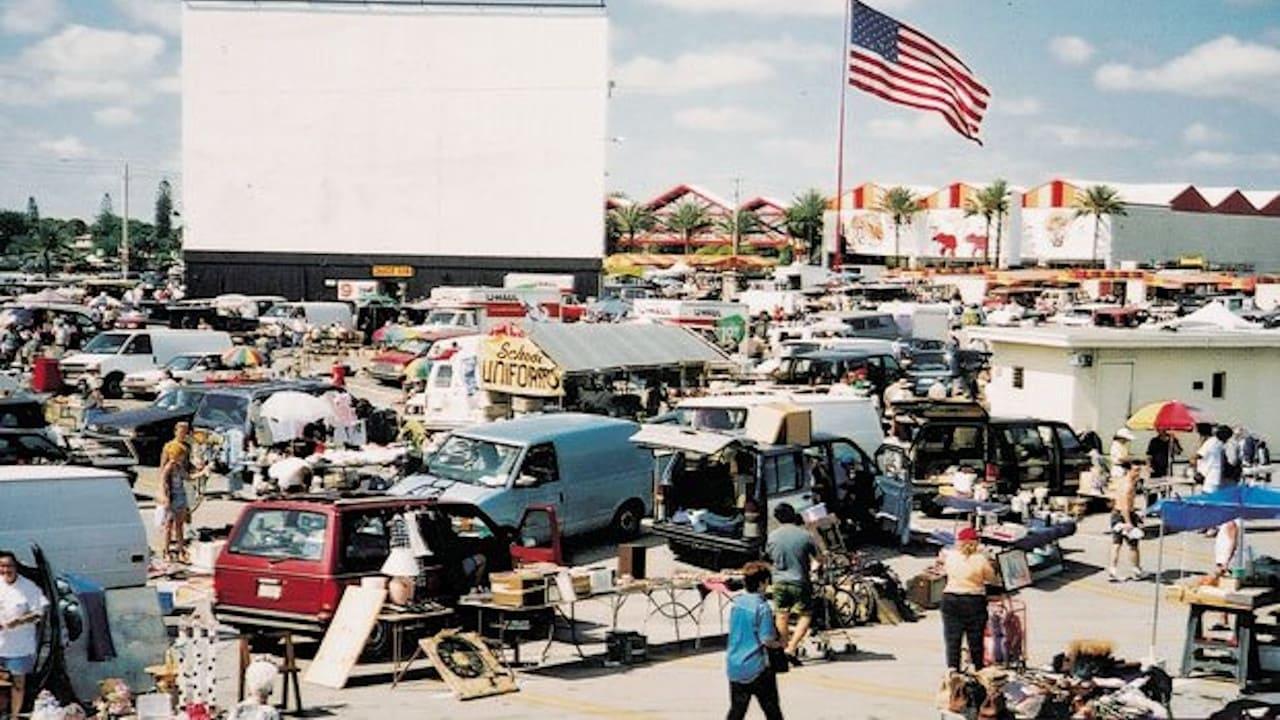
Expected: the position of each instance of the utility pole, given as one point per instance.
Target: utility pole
(124, 228)
(737, 213)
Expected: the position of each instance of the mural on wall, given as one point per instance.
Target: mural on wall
(1056, 234)
(949, 234)
(867, 232)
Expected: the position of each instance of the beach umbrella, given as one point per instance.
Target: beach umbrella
(417, 369)
(1168, 415)
(287, 413)
(395, 334)
(243, 356)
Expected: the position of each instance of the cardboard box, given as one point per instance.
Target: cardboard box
(779, 423)
(527, 598)
(517, 582)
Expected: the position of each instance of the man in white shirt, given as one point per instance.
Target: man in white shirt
(22, 606)
(1209, 463)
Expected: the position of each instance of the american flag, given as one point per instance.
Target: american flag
(903, 65)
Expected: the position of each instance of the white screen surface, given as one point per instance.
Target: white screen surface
(416, 131)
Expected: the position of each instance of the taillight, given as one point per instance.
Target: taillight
(993, 472)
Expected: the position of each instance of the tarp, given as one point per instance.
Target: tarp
(1213, 316)
(583, 347)
(1198, 512)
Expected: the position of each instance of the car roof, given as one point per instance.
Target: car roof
(830, 354)
(263, 388)
(38, 473)
(313, 501)
(533, 429)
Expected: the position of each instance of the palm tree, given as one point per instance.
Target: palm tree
(901, 205)
(1099, 200)
(690, 220)
(992, 203)
(50, 239)
(631, 220)
(977, 205)
(739, 225)
(804, 221)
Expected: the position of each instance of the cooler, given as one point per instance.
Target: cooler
(46, 376)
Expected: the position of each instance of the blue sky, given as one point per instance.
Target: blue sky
(712, 90)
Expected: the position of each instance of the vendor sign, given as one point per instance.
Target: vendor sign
(515, 365)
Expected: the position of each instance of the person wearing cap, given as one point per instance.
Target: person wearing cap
(1126, 527)
(1120, 451)
(791, 551)
(1161, 451)
(964, 598)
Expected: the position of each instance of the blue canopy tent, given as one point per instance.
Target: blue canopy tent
(1199, 512)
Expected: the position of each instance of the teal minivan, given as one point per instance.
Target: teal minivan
(583, 465)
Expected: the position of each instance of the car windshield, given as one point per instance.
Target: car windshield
(281, 311)
(178, 399)
(183, 362)
(282, 534)
(107, 343)
(473, 461)
(930, 362)
(222, 411)
(707, 418)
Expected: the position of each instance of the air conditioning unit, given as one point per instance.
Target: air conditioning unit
(1080, 359)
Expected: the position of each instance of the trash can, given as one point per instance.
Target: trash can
(46, 376)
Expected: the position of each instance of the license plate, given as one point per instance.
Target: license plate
(269, 589)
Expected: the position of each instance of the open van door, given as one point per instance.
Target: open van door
(537, 537)
(51, 663)
(895, 491)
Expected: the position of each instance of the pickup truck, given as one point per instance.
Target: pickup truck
(739, 483)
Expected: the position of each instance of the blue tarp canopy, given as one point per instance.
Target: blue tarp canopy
(1207, 510)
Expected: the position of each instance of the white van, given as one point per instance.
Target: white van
(113, 354)
(451, 396)
(314, 314)
(851, 417)
(84, 519)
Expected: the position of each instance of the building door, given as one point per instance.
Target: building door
(1115, 397)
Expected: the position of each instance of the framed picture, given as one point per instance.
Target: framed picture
(1015, 573)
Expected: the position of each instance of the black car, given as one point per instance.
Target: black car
(828, 367)
(27, 438)
(927, 367)
(1012, 453)
(148, 429)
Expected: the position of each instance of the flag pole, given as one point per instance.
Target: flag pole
(837, 259)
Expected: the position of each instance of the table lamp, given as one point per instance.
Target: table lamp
(402, 568)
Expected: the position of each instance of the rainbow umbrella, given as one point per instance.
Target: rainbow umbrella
(1168, 415)
(243, 356)
(417, 369)
(395, 334)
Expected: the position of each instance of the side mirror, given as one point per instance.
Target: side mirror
(526, 481)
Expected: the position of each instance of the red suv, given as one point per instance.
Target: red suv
(288, 560)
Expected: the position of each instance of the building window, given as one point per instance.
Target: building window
(1197, 385)
(1219, 385)
(1017, 378)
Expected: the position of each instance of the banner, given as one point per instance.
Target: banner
(1057, 234)
(516, 366)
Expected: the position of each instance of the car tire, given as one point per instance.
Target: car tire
(111, 386)
(378, 646)
(626, 522)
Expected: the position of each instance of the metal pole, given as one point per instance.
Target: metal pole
(837, 258)
(737, 214)
(124, 229)
(1155, 614)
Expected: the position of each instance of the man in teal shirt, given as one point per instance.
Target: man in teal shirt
(751, 631)
(792, 551)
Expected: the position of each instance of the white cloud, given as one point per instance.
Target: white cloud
(818, 8)
(1225, 67)
(1017, 106)
(920, 127)
(31, 17)
(691, 71)
(784, 49)
(168, 84)
(115, 116)
(1071, 49)
(815, 155)
(1197, 133)
(726, 118)
(68, 147)
(1074, 136)
(85, 63)
(164, 15)
(1217, 159)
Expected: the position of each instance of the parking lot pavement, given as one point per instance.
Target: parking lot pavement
(895, 674)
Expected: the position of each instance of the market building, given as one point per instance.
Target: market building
(1164, 223)
(470, 144)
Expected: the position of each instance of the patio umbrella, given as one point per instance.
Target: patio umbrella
(417, 369)
(287, 413)
(1168, 415)
(394, 334)
(243, 356)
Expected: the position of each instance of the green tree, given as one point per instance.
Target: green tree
(804, 221)
(901, 205)
(48, 240)
(992, 204)
(1097, 201)
(690, 220)
(106, 228)
(739, 225)
(164, 212)
(13, 227)
(631, 220)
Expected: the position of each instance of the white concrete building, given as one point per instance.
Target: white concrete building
(1095, 378)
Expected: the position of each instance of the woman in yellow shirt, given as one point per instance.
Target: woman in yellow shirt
(964, 598)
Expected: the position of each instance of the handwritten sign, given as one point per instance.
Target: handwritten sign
(515, 365)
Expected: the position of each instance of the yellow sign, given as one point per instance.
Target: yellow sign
(514, 365)
(392, 271)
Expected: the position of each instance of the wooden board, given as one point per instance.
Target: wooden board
(346, 636)
(492, 678)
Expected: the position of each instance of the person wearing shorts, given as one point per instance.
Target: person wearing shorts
(792, 551)
(22, 605)
(1126, 526)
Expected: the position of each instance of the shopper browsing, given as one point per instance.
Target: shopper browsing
(964, 598)
(751, 633)
(22, 605)
(1126, 527)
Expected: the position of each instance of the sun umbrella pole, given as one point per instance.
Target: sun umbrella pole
(1155, 613)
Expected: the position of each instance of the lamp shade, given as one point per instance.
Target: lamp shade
(400, 563)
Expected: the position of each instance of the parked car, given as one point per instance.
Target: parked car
(387, 366)
(1011, 453)
(584, 465)
(314, 314)
(184, 367)
(148, 429)
(288, 561)
(113, 354)
(829, 367)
